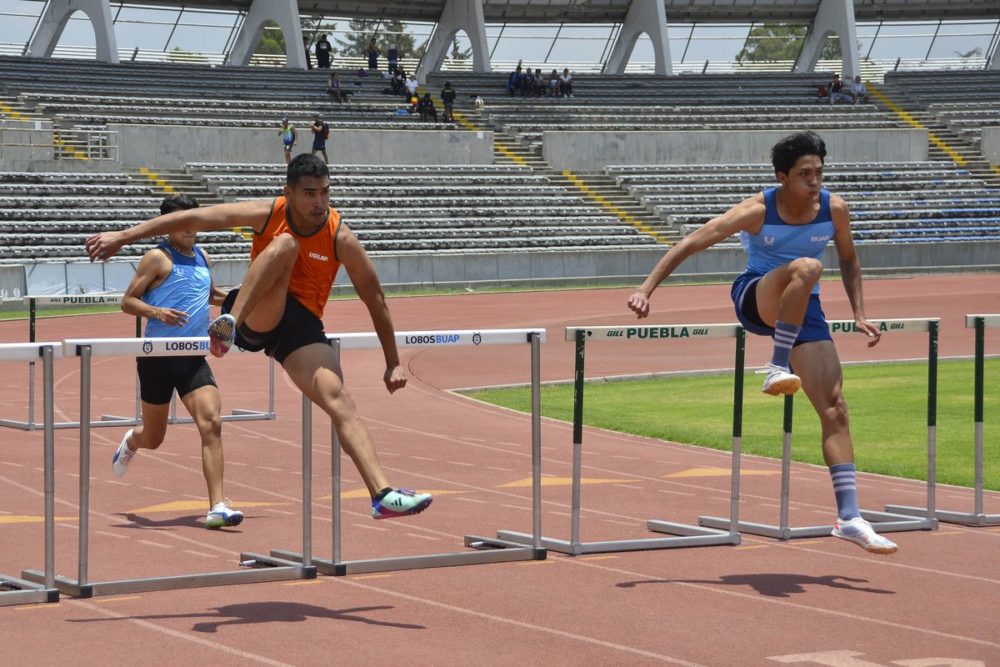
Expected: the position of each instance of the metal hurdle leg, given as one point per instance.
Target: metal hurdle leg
(882, 522)
(485, 549)
(259, 568)
(238, 414)
(682, 535)
(21, 591)
(977, 517)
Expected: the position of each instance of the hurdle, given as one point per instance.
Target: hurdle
(682, 535)
(238, 414)
(882, 521)
(257, 567)
(977, 517)
(484, 549)
(14, 590)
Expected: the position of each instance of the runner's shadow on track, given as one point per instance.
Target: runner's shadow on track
(137, 521)
(253, 613)
(773, 585)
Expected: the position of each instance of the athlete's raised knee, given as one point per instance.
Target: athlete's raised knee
(807, 269)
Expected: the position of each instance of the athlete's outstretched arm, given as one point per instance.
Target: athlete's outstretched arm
(366, 283)
(747, 215)
(850, 268)
(222, 216)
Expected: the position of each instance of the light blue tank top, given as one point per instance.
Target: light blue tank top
(778, 243)
(187, 288)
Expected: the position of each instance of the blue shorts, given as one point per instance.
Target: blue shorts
(744, 294)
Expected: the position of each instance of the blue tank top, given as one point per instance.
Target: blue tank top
(187, 288)
(778, 243)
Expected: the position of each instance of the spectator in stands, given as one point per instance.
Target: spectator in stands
(398, 81)
(566, 82)
(785, 231)
(838, 91)
(426, 108)
(279, 308)
(321, 132)
(372, 55)
(411, 85)
(172, 288)
(515, 81)
(335, 90)
(323, 51)
(539, 84)
(393, 56)
(858, 90)
(477, 102)
(288, 137)
(554, 89)
(448, 99)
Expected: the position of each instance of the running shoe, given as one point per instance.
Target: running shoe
(780, 381)
(860, 532)
(221, 333)
(123, 455)
(400, 502)
(222, 515)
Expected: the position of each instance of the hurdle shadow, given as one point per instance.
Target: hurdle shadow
(138, 521)
(254, 613)
(775, 585)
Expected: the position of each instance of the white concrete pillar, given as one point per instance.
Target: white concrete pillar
(995, 59)
(644, 16)
(54, 20)
(283, 12)
(834, 16)
(458, 15)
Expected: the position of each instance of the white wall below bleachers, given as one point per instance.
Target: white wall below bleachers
(991, 144)
(593, 151)
(171, 146)
(527, 268)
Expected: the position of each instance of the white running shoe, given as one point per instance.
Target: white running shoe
(779, 381)
(860, 532)
(221, 334)
(223, 515)
(123, 455)
(400, 502)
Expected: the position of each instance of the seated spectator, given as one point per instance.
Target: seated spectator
(858, 90)
(838, 91)
(448, 99)
(398, 82)
(566, 83)
(334, 90)
(540, 83)
(478, 102)
(411, 85)
(528, 83)
(514, 82)
(555, 86)
(426, 108)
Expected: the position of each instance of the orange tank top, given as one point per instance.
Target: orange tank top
(317, 265)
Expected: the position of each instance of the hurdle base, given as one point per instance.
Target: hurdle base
(498, 552)
(238, 415)
(882, 522)
(685, 536)
(21, 591)
(962, 518)
(269, 570)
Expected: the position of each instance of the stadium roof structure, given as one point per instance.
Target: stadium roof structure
(615, 11)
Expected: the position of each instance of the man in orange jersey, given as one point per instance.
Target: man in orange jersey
(299, 244)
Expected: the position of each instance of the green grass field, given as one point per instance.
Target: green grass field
(887, 404)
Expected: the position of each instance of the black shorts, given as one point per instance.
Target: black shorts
(159, 376)
(297, 328)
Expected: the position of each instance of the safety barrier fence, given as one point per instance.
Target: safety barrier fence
(978, 516)
(33, 303)
(484, 549)
(681, 535)
(884, 521)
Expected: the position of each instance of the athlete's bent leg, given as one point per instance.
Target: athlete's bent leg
(261, 300)
(149, 435)
(205, 406)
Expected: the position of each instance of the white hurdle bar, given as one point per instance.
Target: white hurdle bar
(978, 517)
(238, 414)
(682, 535)
(14, 590)
(882, 522)
(485, 549)
(259, 568)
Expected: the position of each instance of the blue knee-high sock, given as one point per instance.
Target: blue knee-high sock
(845, 488)
(784, 339)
